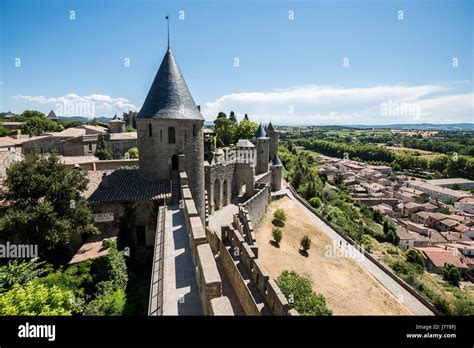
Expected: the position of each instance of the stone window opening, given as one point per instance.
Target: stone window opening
(150, 130)
(171, 135)
(161, 135)
(194, 130)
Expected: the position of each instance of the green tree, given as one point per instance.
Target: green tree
(225, 131)
(45, 205)
(221, 115)
(451, 274)
(277, 234)
(279, 216)
(300, 295)
(246, 117)
(102, 151)
(305, 243)
(36, 125)
(377, 216)
(232, 117)
(3, 131)
(37, 299)
(130, 129)
(245, 130)
(15, 272)
(414, 256)
(32, 113)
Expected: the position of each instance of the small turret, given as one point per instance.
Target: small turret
(262, 150)
(277, 167)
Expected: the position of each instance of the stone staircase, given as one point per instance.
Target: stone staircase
(175, 187)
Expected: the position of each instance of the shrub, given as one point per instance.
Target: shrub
(400, 266)
(315, 202)
(112, 267)
(305, 243)
(415, 257)
(300, 295)
(107, 303)
(20, 273)
(35, 298)
(452, 274)
(367, 243)
(133, 152)
(279, 215)
(277, 235)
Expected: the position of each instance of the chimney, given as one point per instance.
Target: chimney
(105, 180)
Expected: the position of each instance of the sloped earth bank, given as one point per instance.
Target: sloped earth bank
(348, 288)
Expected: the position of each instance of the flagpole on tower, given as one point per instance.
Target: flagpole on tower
(168, 20)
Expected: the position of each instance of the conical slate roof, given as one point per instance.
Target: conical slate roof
(276, 162)
(169, 96)
(270, 127)
(260, 133)
(52, 115)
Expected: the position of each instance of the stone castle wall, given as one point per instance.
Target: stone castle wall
(257, 293)
(257, 204)
(207, 275)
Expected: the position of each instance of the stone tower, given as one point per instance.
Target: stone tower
(277, 167)
(116, 125)
(273, 136)
(169, 126)
(262, 150)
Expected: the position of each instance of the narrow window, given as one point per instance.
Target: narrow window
(161, 135)
(171, 135)
(150, 131)
(194, 130)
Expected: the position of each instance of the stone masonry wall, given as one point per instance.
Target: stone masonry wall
(232, 249)
(257, 204)
(207, 275)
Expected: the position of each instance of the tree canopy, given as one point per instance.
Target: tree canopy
(45, 204)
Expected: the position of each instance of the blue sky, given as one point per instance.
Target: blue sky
(291, 69)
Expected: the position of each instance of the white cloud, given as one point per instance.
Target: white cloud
(88, 105)
(313, 104)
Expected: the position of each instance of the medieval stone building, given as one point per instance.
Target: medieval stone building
(175, 193)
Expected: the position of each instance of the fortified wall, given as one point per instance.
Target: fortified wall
(207, 275)
(257, 204)
(257, 293)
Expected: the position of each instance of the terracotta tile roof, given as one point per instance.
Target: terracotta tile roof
(77, 159)
(439, 257)
(449, 222)
(7, 141)
(123, 136)
(124, 185)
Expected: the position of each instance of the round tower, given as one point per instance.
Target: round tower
(169, 126)
(262, 150)
(116, 125)
(273, 136)
(277, 167)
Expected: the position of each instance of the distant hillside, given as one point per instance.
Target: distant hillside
(85, 119)
(421, 126)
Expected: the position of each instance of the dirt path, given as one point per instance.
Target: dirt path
(348, 288)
